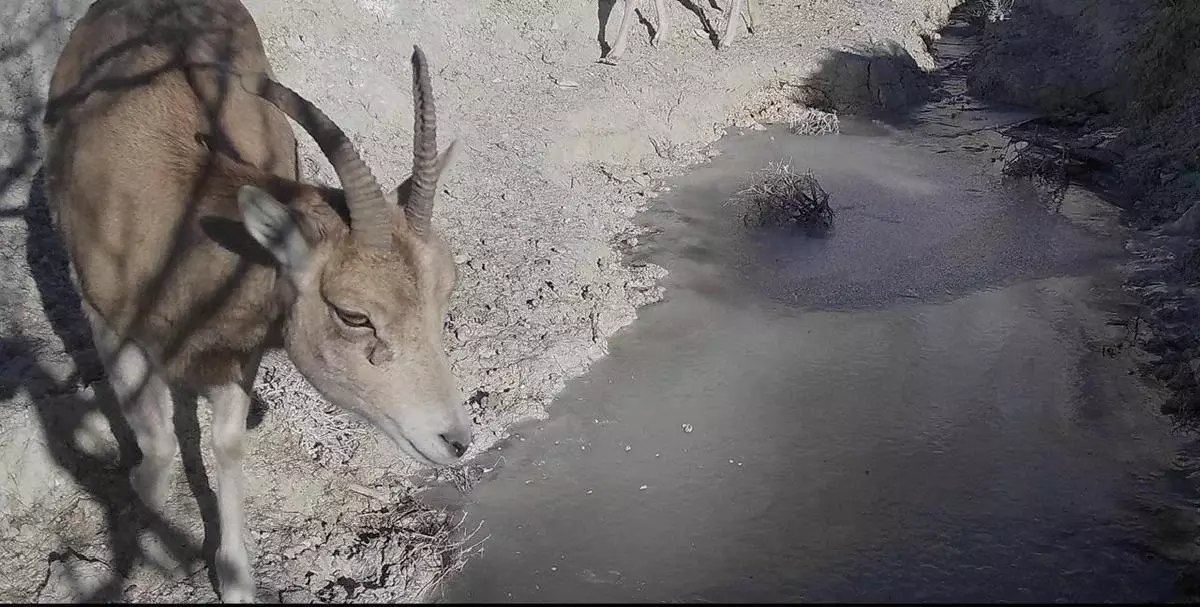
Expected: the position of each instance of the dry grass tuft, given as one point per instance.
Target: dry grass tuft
(781, 197)
(398, 553)
(811, 121)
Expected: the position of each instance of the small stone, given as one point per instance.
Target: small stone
(642, 488)
(628, 448)
(687, 428)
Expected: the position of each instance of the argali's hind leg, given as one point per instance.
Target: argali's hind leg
(230, 404)
(145, 400)
(663, 31)
(627, 18)
(752, 15)
(747, 9)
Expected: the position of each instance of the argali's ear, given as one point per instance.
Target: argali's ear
(447, 159)
(276, 228)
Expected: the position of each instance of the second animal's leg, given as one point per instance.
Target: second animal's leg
(627, 19)
(663, 31)
(145, 399)
(732, 13)
(230, 403)
(752, 15)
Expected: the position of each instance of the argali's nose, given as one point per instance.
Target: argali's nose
(457, 440)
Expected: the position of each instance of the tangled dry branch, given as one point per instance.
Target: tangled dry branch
(1044, 166)
(782, 197)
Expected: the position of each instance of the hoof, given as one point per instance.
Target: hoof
(237, 593)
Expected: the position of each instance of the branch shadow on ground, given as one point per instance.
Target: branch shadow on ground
(103, 480)
(604, 10)
(705, 23)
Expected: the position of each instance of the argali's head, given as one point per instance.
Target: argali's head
(368, 296)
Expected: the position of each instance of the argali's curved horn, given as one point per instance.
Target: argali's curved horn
(418, 209)
(370, 214)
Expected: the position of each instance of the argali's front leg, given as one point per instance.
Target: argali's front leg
(145, 400)
(230, 404)
(146, 403)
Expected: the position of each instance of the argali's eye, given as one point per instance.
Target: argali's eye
(352, 319)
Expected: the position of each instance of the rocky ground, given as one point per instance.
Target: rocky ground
(561, 152)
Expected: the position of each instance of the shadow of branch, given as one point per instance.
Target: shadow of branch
(104, 481)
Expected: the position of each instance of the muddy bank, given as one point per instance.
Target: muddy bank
(1118, 82)
(560, 153)
(1129, 67)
